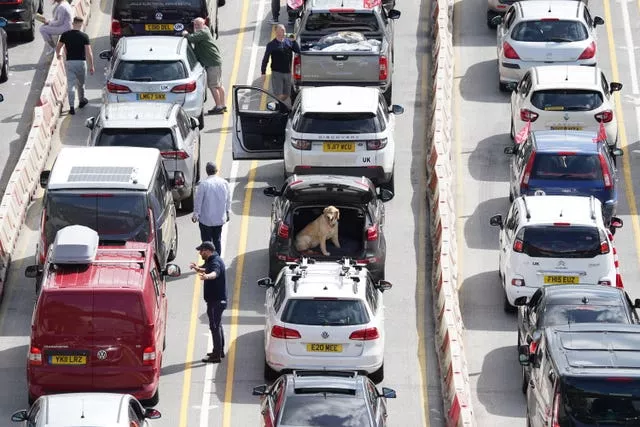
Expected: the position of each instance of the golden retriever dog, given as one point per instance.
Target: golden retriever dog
(320, 230)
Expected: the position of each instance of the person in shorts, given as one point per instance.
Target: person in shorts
(280, 51)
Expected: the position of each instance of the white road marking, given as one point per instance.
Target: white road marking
(633, 71)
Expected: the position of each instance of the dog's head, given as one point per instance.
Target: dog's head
(332, 214)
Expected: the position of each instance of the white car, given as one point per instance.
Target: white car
(565, 97)
(553, 240)
(534, 33)
(346, 130)
(324, 316)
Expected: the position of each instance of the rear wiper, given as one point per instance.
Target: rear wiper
(559, 40)
(141, 79)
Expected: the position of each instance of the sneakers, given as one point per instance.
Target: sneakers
(72, 111)
(218, 110)
(83, 102)
(274, 21)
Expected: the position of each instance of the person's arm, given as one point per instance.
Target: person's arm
(295, 46)
(89, 55)
(60, 16)
(214, 273)
(59, 47)
(196, 37)
(265, 59)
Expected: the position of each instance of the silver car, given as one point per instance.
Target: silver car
(87, 409)
(535, 33)
(166, 127)
(157, 69)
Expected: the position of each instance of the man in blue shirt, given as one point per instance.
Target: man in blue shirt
(213, 275)
(280, 50)
(211, 207)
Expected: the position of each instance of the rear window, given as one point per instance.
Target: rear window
(332, 22)
(119, 316)
(574, 167)
(325, 410)
(585, 313)
(603, 401)
(559, 31)
(153, 5)
(65, 313)
(325, 312)
(345, 123)
(561, 241)
(566, 100)
(162, 139)
(150, 71)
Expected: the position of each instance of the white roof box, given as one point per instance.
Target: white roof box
(75, 244)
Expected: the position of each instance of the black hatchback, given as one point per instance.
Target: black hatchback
(303, 198)
(20, 16)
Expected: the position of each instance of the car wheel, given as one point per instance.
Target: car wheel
(174, 248)
(378, 375)
(490, 16)
(4, 74)
(201, 119)
(508, 308)
(269, 374)
(379, 276)
(153, 401)
(29, 34)
(525, 380)
(503, 87)
(273, 271)
(511, 196)
(391, 184)
(512, 131)
(388, 94)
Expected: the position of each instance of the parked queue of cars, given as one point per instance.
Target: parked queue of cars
(108, 228)
(577, 328)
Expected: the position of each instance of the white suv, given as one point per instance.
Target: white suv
(553, 240)
(326, 316)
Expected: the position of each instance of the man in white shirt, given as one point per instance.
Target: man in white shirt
(62, 22)
(212, 205)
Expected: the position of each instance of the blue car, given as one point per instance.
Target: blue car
(565, 163)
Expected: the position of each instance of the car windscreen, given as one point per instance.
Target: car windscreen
(150, 71)
(157, 4)
(115, 216)
(325, 410)
(325, 312)
(340, 123)
(334, 22)
(605, 401)
(584, 313)
(121, 316)
(566, 99)
(550, 30)
(162, 139)
(567, 166)
(561, 241)
(65, 314)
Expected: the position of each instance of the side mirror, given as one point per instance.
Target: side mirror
(3, 23)
(385, 195)
(384, 285)
(512, 86)
(105, 54)
(496, 221)
(272, 106)
(389, 393)
(265, 282)
(90, 122)
(33, 271)
(512, 149)
(520, 301)
(616, 222)
(152, 414)
(617, 152)
(615, 86)
(260, 390)
(524, 355)
(20, 415)
(172, 270)
(597, 21)
(44, 178)
(636, 303)
(496, 20)
(393, 14)
(397, 109)
(194, 122)
(271, 192)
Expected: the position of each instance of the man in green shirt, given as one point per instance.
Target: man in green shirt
(209, 56)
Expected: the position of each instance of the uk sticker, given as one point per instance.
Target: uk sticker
(178, 27)
(158, 16)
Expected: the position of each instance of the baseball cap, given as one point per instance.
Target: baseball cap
(206, 245)
(211, 168)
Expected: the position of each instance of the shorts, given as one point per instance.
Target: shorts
(280, 83)
(214, 76)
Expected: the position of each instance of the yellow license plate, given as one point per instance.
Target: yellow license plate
(59, 359)
(566, 128)
(152, 96)
(158, 27)
(326, 348)
(339, 147)
(561, 280)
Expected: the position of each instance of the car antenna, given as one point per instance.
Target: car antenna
(566, 76)
(549, 7)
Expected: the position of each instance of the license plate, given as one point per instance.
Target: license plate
(561, 280)
(326, 348)
(158, 27)
(567, 127)
(339, 147)
(67, 359)
(152, 96)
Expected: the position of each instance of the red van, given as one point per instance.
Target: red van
(100, 320)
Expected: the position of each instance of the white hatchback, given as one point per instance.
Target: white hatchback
(324, 316)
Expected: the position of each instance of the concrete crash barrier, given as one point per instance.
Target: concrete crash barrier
(24, 179)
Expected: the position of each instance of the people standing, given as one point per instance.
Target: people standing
(61, 23)
(208, 55)
(280, 51)
(213, 274)
(212, 205)
(275, 11)
(79, 54)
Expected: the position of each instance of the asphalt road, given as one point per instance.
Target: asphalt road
(220, 395)
(482, 191)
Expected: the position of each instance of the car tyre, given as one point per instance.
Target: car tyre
(153, 401)
(503, 87)
(30, 34)
(378, 375)
(525, 381)
(490, 16)
(511, 196)
(388, 94)
(273, 271)
(174, 249)
(270, 374)
(508, 308)
(201, 119)
(512, 131)
(391, 184)
(4, 74)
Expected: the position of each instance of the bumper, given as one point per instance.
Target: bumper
(511, 71)
(383, 86)
(513, 292)
(376, 174)
(279, 360)
(146, 392)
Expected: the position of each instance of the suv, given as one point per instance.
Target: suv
(326, 316)
(303, 198)
(346, 130)
(549, 240)
(565, 163)
(21, 17)
(584, 375)
(163, 126)
(159, 68)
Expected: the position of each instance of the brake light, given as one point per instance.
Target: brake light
(524, 184)
(35, 356)
(43, 237)
(556, 406)
(285, 333)
(620, 379)
(149, 356)
(562, 224)
(372, 232)
(589, 52)
(509, 52)
(116, 88)
(517, 282)
(376, 144)
(606, 173)
(604, 116)
(297, 67)
(604, 282)
(604, 247)
(283, 231)
(367, 334)
(549, 19)
(116, 28)
(301, 144)
(178, 155)
(341, 10)
(383, 64)
(528, 115)
(184, 88)
(518, 246)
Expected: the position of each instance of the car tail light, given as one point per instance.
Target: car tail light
(371, 260)
(116, 28)
(301, 144)
(184, 88)
(556, 407)
(376, 144)
(283, 231)
(518, 245)
(383, 64)
(297, 67)
(517, 282)
(604, 116)
(372, 232)
(35, 356)
(524, 184)
(178, 155)
(549, 19)
(528, 115)
(367, 334)
(604, 247)
(606, 173)
(589, 52)
(149, 356)
(115, 88)
(533, 346)
(287, 258)
(604, 282)
(43, 237)
(509, 52)
(284, 333)
(562, 224)
(341, 10)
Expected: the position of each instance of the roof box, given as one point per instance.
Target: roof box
(75, 244)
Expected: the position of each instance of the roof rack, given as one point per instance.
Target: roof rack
(314, 373)
(526, 207)
(299, 270)
(347, 270)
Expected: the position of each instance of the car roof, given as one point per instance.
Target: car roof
(301, 380)
(576, 295)
(121, 168)
(339, 99)
(355, 5)
(71, 409)
(549, 209)
(562, 9)
(137, 114)
(152, 48)
(324, 279)
(555, 141)
(308, 188)
(566, 76)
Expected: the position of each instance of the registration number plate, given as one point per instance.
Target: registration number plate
(339, 147)
(566, 128)
(67, 359)
(158, 27)
(152, 96)
(561, 280)
(325, 348)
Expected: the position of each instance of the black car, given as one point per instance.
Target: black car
(303, 198)
(565, 305)
(21, 17)
(4, 52)
(324, 398)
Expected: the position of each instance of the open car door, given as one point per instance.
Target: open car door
(259, 122)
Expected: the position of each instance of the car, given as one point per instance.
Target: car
(565, 305)
(4, 51)
(323, 398)
(158, 69)
(95, 409)
(538, 33)
(324, 316)
(344, 130)
(361, 227)
(549, 240)
(20, 17)
(565, 163)
(565, 97)
(166, 127)
(497, 8)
